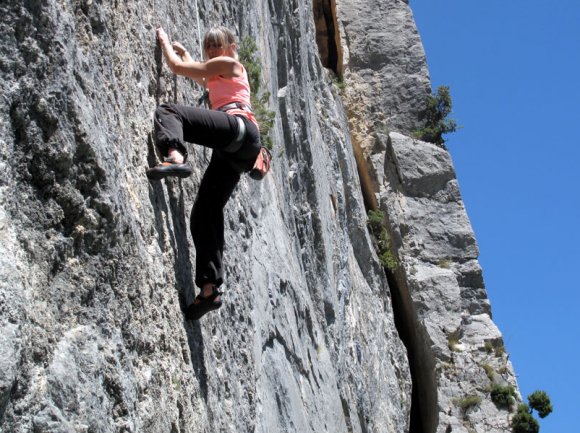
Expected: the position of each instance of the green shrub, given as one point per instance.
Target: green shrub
(540, 401)
(489, 371)
(386, 256)
(388, 260)
(376, 222)
(503, 395)
(339, 83)
(467, 402)
(437, 109)
(524, 422)
(498, 349)
(250, 59)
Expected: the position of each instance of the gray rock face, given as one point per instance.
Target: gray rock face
(386, 80)
(456, 352)
(440, 281)
(386, 74)
(96, 262)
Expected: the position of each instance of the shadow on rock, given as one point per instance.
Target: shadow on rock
(177, 233)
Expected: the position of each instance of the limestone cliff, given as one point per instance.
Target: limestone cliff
(314, 336)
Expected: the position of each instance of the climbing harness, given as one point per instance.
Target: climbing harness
(238, 140)
(233, 105)
(263, 161)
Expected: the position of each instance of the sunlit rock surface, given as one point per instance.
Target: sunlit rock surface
(96, 262)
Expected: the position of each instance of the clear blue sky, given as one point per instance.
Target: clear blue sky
(513, 67)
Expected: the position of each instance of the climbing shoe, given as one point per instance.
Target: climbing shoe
(203, 305)
(168, 168)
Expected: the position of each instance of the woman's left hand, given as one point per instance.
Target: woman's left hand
(162, 36)
(179, 49)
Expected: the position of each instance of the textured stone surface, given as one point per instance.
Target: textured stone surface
(96, 263)
(439, 296)
(438, 274)
(386, 76)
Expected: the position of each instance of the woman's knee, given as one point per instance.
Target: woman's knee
(163, 110)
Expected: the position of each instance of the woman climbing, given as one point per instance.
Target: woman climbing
(229, 128)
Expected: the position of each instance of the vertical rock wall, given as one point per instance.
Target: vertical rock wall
(96, 262)
(385, 76)
(455, 350)
(440, 290)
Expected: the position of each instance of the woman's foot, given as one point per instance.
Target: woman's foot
(175, 155)
(208, 300)
(173, 165)
(168, 168)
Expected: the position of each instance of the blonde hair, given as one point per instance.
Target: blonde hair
(220, 36)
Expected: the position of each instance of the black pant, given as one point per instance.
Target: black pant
(175, 124)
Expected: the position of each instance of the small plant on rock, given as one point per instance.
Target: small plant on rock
(437, 109)
(489, 371)
(251, 61)
(540, 401)
(503, 395)
(376, 222)
(467, 402)
(386, 256)
(523, 421)
(498, 349)
(338, 81)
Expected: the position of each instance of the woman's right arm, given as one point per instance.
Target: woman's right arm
(198, 71)
(174, 61)
(180, 50)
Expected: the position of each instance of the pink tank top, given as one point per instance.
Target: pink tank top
(224, 91)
